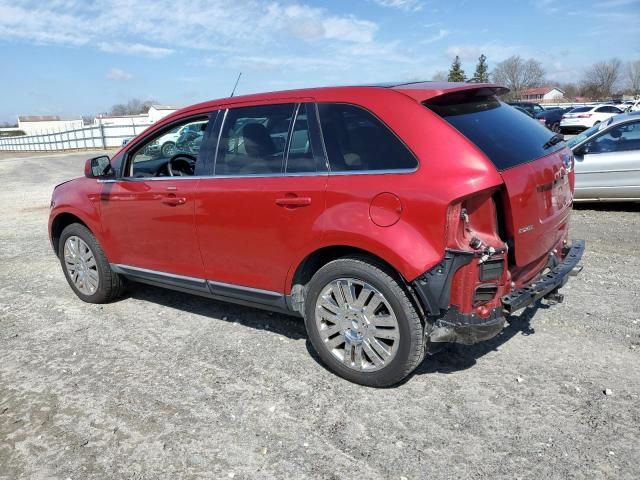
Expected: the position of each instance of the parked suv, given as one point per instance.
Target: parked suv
(391, 218)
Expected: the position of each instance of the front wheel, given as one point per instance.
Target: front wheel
(168, 149)
(86, 267)
(363, 323)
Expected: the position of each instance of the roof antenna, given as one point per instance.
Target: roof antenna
(235, 86)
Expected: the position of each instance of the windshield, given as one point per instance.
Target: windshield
(506, 136)
(587, 133)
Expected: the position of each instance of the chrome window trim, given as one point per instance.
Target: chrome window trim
(400, 171)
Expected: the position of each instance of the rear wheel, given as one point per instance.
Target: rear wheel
(362, 322)
(555, 127)
(86, 267)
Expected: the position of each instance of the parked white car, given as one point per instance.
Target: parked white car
(581, 118)
(633, 106)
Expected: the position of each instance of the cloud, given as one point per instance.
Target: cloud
(406, 5)
(438, 36)
(547, 6)
(135, 49)
(309, 23)
(118, 75)
(156, 29)
(493, 51)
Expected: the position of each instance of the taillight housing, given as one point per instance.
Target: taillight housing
(584, 115)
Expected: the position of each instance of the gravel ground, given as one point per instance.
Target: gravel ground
(165, 385)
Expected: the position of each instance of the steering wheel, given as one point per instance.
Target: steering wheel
(182, 163)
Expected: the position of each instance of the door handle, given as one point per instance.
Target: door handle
(293, 202)
(174, 201)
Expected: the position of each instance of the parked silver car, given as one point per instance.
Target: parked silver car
(607, 160)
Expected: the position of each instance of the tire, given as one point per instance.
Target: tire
(555, 127)
(168, 149)
(101, 286)
(376, 300)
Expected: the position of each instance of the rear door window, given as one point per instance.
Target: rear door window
(253, 140)
(506, 137)
(355, 140)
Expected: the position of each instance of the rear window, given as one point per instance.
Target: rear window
(581, 109)
(506, 137)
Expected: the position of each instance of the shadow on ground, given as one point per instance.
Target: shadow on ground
(288, 326)
(450, 359)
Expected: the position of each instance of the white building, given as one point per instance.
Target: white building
(122, 120)
(542, 94)
(39, 124)
(157, 112)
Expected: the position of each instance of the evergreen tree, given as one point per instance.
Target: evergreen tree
(456, 74)
(482, 70)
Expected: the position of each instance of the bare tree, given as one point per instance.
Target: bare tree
(518, 74)
(571, 90)
(633, 77)
(439, 76)
(602, 78)
(134, 106)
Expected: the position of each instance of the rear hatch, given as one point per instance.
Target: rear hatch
(534, 165)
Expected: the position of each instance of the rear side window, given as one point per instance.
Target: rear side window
(355, 140)
(506, 137)
(253, 140)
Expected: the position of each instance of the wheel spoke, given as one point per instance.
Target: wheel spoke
(348, 291)
(329, 304)
(334, 342)
(357, 356)
(384, 320)
(381, 350)
(348, 352)
(374, 303)
(328, 331)
(386, 333)
(373, 356)
(365, 293)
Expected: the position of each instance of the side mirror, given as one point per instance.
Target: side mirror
(98, 167)
(581, 150)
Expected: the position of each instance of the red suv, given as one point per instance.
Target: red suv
(390, 217)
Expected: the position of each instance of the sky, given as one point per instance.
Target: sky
(79, 57)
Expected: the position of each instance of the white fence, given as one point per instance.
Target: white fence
(90, 137)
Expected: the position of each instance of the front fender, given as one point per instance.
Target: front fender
(79, 198)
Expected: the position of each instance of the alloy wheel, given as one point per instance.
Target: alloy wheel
(357, 324)
(81, 265)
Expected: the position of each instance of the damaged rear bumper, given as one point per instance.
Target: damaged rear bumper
(453, 326)
(548, 283)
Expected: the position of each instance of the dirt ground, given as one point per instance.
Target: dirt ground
(162, 385)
